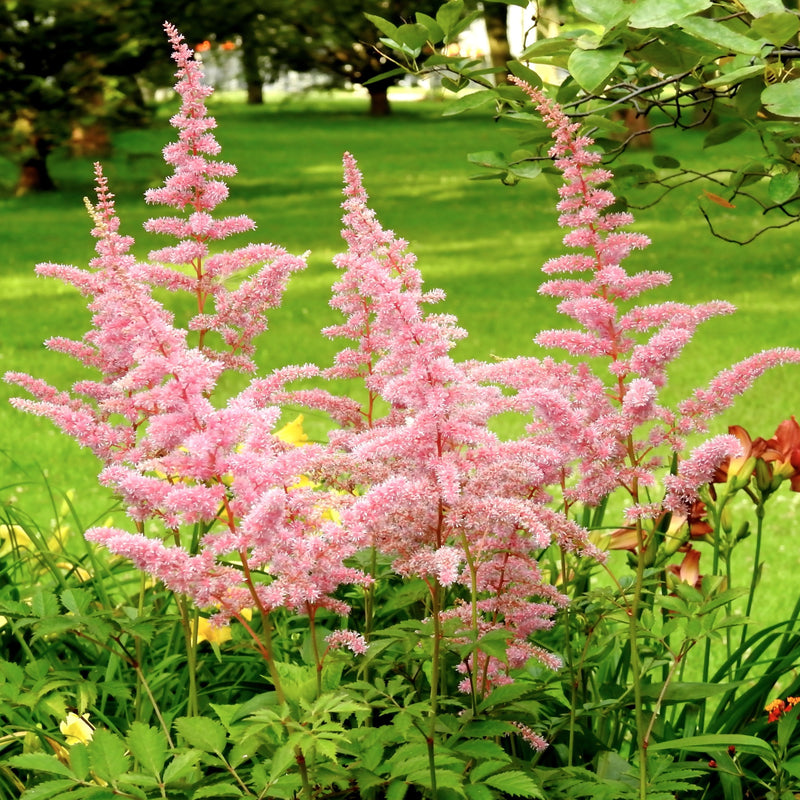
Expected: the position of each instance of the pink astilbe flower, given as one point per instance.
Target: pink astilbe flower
(196, 188)
(437, 489)
(602, 430)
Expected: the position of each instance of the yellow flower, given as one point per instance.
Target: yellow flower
(293, 432)
(13, 537)
(206, 632)
(76, 728)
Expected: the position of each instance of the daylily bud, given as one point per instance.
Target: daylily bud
(739, 479)
(743, 532)
(725, 519)
(763, 476)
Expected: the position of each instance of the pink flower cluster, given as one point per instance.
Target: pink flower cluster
(426, 481)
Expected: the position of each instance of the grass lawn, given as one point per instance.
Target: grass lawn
(479, 240)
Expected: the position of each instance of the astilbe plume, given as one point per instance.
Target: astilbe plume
(599, 417)
(437, 490)
(167, 450)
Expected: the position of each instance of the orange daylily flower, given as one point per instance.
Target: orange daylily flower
(689, 569)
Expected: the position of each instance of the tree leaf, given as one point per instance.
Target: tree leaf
(488, 158)
(783, 99)
(383, 25)
(107, 756)
(203, 733)
(760, 8)
(604, 12)
(716, 32)
(448, 15)
(783, 186)
(777, 29)
(591, 68)
(469, 101)
(149, 747)
(735, 76)
(665, 162)
(724, 133)
(435, 32)
(663, 13)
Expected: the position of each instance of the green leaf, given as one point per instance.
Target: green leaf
(40, 762)
(515, 783)
(203, 733)
(682, 692)
(435, 31)
(604, 12)
(783, 99)
(46, 790)
(485, 768)
(181, 766)
(591, 68)
(760, 8)
(383, 25)
(412, 35)
(716, 32)
(218, 790)
(724, 133)
(469, 101)
(525, 73)
(482, 750)
(666, 162)
(783, 186)
(477, 791)
(777, 29)
(149, 747)
(76, 600)
(488, 158)
(735, 76)
(397, 790)
(449, 14)
(663, 13)
(107, 756)
(712, 742)
(79, 760)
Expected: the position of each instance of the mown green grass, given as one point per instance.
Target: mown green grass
(479, 240)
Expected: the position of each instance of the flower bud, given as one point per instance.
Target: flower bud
(763, 476)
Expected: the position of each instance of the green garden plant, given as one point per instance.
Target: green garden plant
(414, 607)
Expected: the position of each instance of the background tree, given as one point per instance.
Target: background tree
(730, 67)
(67, 69)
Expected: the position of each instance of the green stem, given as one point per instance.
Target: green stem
(754, 578)
(189, 622)
(434, 702)
(573, 681)
(473, 589)
(633, 635)
(314, 646)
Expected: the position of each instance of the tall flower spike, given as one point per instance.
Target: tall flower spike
(196, 188)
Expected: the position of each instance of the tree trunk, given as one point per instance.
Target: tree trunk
(379, 99)
(495, 16)
(34, 175)
(250, 69)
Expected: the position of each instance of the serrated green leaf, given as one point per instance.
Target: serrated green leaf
(76, 600)
(484, 768)
(149, 747)
(203, 733)
(591, 68)
(44, 604)
(107, 755)
(482, 749)
(663, 13)
(783, 99)
(396, 790)
(45, 791)
(515, 783)
(477, 791)
(181, 766)
(79, 760)
(719, 34)
(218, 790)
(40, 762)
